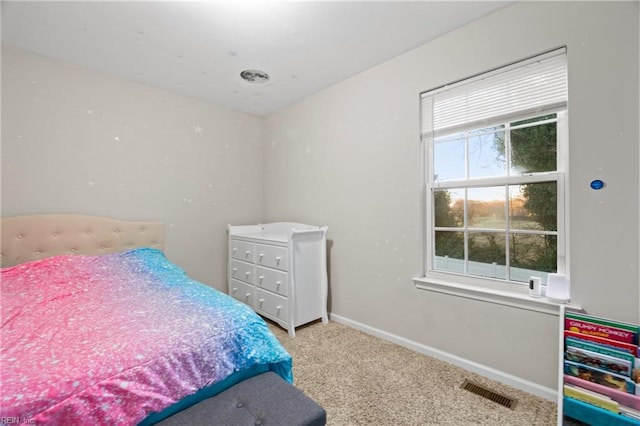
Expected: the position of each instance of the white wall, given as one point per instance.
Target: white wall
(350, 158)
(60, 155)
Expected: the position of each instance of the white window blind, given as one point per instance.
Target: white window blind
(532, 86)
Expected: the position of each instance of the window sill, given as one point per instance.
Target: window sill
(515, 299)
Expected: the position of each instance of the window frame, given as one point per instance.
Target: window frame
(495, 290)
(558, 176)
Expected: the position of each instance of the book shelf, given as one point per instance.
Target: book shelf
(592, 415)
(597, 403)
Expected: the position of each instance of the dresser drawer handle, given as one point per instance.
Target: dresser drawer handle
(278, 285)
(260, 255)
(233, 290)
(261, 302)
(261, 278)
(247, 253)
(278, 259)
(247, 273)
(278, 309)
(247, 295)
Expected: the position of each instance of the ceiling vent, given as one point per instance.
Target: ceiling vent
(255, 76)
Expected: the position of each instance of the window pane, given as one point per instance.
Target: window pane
(485, 207)
(534, 206)
(487, 254)
(532, 255)
(449, 207)
(449, 158)
(486, 154)
(533, 149)
(534, 120)
(449, 251)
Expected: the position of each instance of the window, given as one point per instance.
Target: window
(495, 148)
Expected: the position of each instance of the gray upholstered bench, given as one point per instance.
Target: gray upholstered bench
(265, 400)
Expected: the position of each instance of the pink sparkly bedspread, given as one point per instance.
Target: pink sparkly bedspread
(111, 339)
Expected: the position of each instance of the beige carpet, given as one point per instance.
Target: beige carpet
(363, 380)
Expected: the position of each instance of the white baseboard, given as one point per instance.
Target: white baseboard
(488, 372)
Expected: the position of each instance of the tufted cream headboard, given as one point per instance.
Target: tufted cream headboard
(26, 238)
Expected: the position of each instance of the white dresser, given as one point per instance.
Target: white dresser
(280, 270)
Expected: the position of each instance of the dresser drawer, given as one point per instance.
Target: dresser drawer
(242, 271)
(272, 304)
(242, 291)
(272, 280)
(271, 256)
(242, 250)
(279, 269)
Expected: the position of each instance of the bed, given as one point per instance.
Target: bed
(99, 327)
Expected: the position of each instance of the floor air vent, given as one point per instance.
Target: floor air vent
(489, 394)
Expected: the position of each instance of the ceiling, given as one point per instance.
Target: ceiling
(200, 48)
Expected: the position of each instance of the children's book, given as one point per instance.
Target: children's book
(599, 360)
(609, 329)
(613, 344)
(592, 398)
(629, 412)
(595, 349)
(599, 376)
(624, 398)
